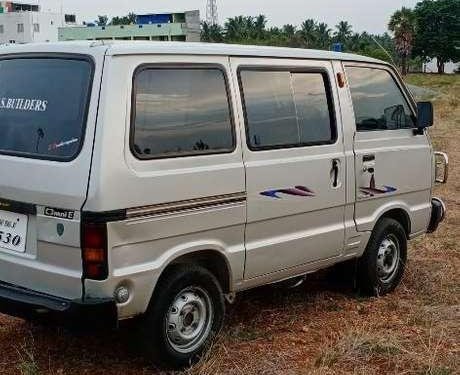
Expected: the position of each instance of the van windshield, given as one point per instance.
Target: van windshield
(43, 106)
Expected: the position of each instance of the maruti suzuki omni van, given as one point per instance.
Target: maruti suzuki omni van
(161, 179)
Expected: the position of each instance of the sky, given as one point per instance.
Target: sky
(364, 15)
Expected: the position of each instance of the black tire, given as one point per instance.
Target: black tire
(375, 277)
(199, 287)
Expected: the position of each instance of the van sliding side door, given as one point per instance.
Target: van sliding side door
(294, 163)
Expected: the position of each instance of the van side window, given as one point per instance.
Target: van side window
(287, 109)
(180, 112)
(378, 101)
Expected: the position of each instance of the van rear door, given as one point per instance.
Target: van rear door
(48, 104)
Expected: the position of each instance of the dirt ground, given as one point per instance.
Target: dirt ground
(319, 328)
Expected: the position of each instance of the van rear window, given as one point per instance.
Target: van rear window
(43, 106)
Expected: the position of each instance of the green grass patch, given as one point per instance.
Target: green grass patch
(442, 83)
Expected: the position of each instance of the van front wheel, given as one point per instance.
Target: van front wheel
(185, 315)
(381, 268)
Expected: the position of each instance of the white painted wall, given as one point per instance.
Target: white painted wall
(48, 29)
(432, 67)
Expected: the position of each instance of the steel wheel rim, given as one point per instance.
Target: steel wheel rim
(189, 319)
(388, 258)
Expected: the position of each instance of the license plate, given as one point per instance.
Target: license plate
(13, 231)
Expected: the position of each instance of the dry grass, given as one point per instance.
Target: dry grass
(320, 328)
(26, 358)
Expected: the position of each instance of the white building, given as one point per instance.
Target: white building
(23, 22)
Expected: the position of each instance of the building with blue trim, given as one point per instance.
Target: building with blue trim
(183, 26)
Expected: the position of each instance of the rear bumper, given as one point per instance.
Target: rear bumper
(25, 303)
(438, 213)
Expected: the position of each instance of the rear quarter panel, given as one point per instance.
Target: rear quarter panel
(140, 248)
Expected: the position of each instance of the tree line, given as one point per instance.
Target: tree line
(430, 30)
(129, 19)
(310, 34)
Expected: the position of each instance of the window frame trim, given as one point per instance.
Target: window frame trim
(407, 96)
(86, 109)
(291, 69)
(181, 66)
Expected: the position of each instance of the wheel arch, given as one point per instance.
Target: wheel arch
(401, 216)
(213, 260)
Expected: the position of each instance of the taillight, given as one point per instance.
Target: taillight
(94, 251)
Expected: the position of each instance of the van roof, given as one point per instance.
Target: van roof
(141, 47)
(146, 47)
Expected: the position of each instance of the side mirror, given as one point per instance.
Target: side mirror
(425, 117)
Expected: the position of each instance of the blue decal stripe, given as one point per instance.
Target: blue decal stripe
(298, 191)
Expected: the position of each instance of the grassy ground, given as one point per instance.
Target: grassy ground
(316, 329)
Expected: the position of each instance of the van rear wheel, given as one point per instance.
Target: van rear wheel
(382, 266)
(185, 315)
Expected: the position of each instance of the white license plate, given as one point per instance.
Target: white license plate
(13, 231)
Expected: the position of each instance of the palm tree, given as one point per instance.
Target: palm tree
(402, 24)
(234, 28)
(205, 32)
(323, 33)
(211, 33)
(308, 33)
(356, 42)
(275, 37)
(217, 34)
(343, 31)
(289, 30)
(260, 23)
(239, 29)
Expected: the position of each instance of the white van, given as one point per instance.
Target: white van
(160, 179)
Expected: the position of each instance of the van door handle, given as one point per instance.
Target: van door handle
(368, 158)
(335, 173)
(369, 163)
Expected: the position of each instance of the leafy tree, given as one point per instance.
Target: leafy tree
(438, 31)
(402, 24)
(129, 19)
(132, 17)
(102, 20)
(386, 44)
